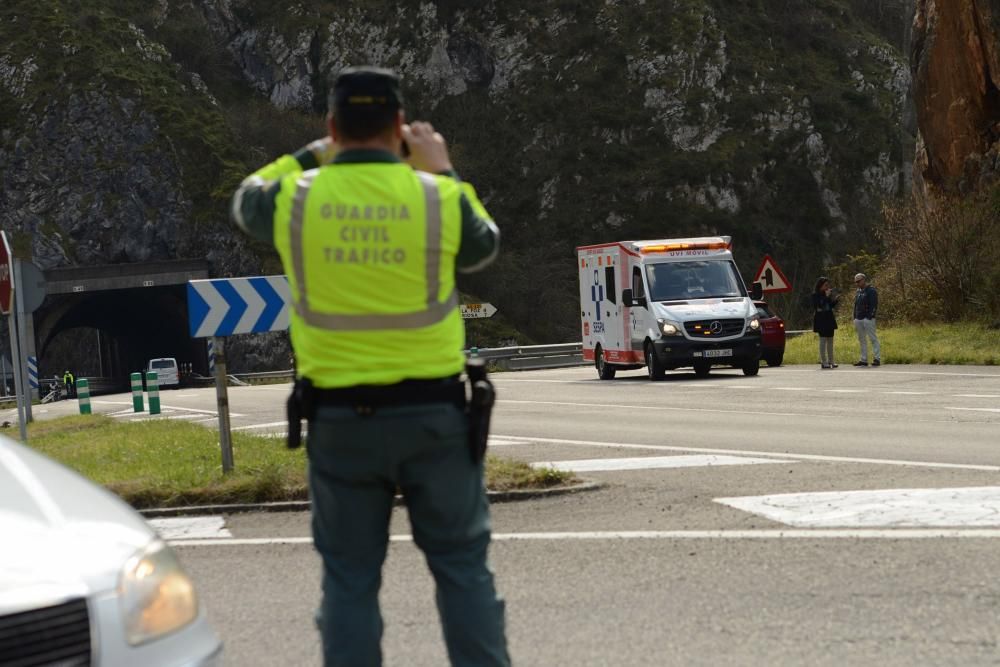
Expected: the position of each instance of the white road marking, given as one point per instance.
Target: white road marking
(976, 395)
(909, 393)
(974, 409)
(195, 527)
(253, 426)
(883, 370)
(619, 535)
(503, 442)
(204, 412)
(741, 452)
(666, 407)
(792, 388)
(920, 508)
(845, 391)
(184, 396)
(652, 462)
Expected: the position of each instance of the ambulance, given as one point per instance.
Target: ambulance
(667, 304)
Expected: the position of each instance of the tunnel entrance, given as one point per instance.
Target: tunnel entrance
(109, 321)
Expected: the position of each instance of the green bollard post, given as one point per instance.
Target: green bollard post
(83, 394)
(153, 387)
(137, 404)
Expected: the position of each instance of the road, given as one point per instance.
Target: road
(799, 517)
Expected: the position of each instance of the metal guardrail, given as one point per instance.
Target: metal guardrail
(524, 357)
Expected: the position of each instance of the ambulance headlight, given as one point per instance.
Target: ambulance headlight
(753, 324)
(669, 328)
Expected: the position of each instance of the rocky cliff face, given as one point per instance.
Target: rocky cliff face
(956, 69)
(956, 74)
(779, 123)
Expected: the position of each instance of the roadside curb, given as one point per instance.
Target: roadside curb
(304, 505)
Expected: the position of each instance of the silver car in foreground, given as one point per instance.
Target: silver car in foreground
(84, 580)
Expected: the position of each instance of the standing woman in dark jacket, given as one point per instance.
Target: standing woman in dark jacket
(824, 299)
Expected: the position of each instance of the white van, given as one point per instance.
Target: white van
(166, 371)
(684, 304)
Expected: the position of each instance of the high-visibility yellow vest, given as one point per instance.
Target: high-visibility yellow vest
(369, 250)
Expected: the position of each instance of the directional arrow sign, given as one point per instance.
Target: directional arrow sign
(472, 311)
(771, 278)
(227, 306)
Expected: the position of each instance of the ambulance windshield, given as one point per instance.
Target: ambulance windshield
(696, 279)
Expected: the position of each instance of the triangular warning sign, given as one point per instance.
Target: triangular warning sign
(771, 278)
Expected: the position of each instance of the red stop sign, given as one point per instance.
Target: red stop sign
(6, 284)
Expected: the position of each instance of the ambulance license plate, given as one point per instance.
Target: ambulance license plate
(718, 353)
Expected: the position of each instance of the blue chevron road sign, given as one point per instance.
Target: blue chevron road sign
(33, 372)
(227, 306)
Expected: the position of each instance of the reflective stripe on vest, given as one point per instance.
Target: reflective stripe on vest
(435, 311)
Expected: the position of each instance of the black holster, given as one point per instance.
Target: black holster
(479, 408)
(301, 405)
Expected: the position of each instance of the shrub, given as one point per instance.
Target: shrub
(944, 254)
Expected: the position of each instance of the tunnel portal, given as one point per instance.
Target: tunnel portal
(108, 321)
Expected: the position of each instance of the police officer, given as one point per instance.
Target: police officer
(370, 244)
(70, 381)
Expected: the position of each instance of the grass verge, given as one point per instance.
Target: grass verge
(959, 344)
(171, 464)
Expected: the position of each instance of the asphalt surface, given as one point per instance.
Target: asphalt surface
(666, 565)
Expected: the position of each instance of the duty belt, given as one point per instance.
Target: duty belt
(366, 398)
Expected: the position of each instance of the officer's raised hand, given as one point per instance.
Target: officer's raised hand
(324, 150)
(428, 150)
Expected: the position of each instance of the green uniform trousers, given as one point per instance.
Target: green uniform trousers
(356, 463)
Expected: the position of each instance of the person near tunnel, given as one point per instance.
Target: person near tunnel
(70, 381)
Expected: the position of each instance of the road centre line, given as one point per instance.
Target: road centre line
(665, 407)
(883, 370)
(973, 409)
(622, 535)
(742, 452)
(652, 462)
(760, 388)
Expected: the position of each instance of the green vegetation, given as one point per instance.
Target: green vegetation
(169, 464)
(939, 343)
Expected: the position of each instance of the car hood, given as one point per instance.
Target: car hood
(703, 309)
(62, 536)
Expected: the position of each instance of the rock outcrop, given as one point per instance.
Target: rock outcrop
(956, 82)
(124, 133)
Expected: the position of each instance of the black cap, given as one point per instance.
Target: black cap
(366, 88)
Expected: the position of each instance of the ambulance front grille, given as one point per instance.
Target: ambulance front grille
(714, 328)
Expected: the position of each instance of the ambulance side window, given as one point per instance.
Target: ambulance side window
(637, 290)
(609, 280)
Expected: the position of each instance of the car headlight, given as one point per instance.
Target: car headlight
(155, 595)
(754, 324)
(669, 328)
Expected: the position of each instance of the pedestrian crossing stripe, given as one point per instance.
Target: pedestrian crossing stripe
(897, 508)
